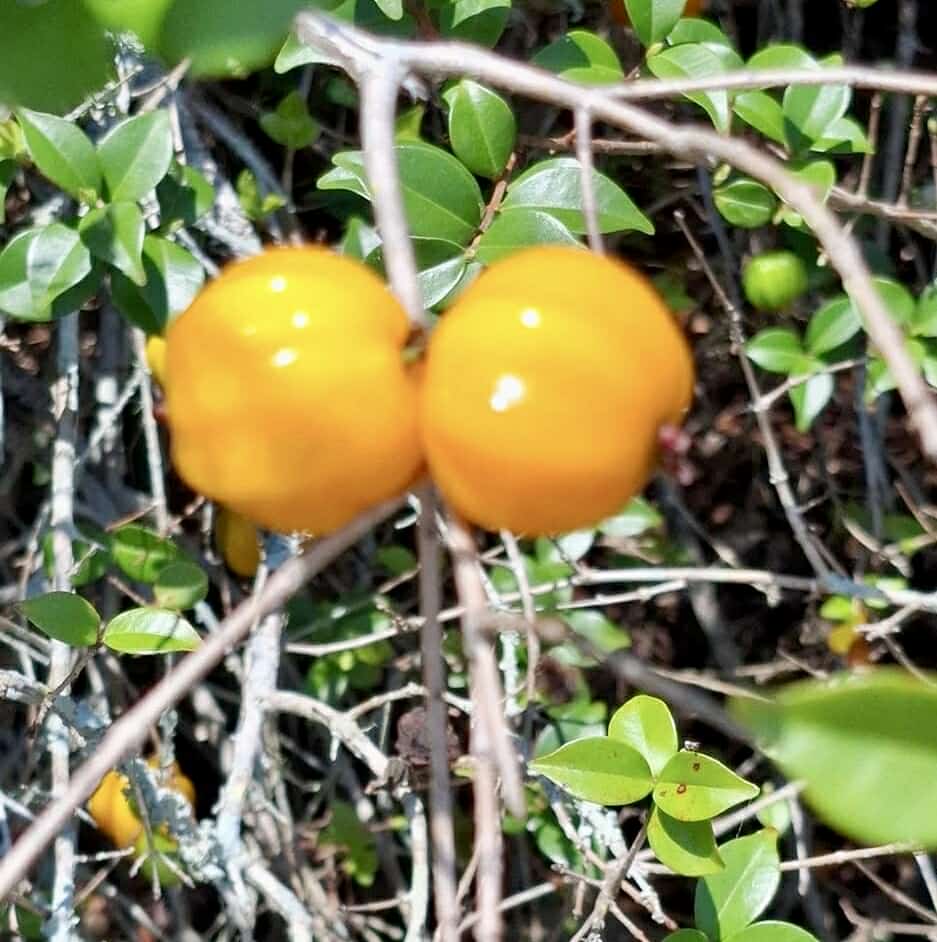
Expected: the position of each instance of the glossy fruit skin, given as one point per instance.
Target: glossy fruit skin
(113, 813)
(287, 394)
(156, 358)
(238, 542)
(773, 280)
(545, 387)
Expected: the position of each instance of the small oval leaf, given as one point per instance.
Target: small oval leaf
(687, 847)
(62, 152)
(150, 631)
(482, 127)
(180, 585)
(646, 724)
(135, 155)
(64, 616)
(694, 787)
(142, 554)
(598, 769)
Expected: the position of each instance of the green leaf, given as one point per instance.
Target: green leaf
(924, 317)
(91, 555)
(392, 9)
(834, 324)
(360, 239)
(726, 902)
(653, 20)
(692, 29)
(555, 187)
(810, 398)
(771, 931)
(150, 631)
(293, 54)
(809, 110)
(52, 54)
(173, 278)
(782, 56)
(476, 21)
(646, 724)
(142, 554)
(62, 153)
(184, 196)
(581, 56)
(845, 136)
(745, 203)
(224, 39)
(776, 349)
(638, 517)
(142, 17)
(114, 234)
(821, 175)
(44, 273)
(776, 815)
(694, 787)
(516, 229)
(180, 585)
(864, 744)
(441, 197)
(409, 122)
(135, 155)
(596, 628)
(359, 846)
(256, 205)
(598, 769)
(438, 281)
(690, 61)
(290, 124)
(482, 128)
(761, 111)
(397, 560)
(64, 616)
(687, 847)
(686, 935)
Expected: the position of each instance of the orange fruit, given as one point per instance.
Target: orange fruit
(155, 351)
(113, 813)
(545, 387)
(238, 542)
(288, 397)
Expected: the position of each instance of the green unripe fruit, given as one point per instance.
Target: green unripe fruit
(773, 280)
(162, 844)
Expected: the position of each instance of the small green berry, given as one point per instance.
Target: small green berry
(773, 280)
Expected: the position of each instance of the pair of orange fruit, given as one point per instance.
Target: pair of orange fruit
(293, 399)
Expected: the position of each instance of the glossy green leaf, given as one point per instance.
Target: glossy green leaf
(771, 931)
(290, 124)
(778, 814)
(687, 847)
(686, 935)
(761, 111)
(581, 56)
(437, 282)
(360, 239)
(638, 517)
(745, 203)
(516, 229)
(809, 110)
(173, 278)
(62, 153)
(142, 554)
(52, 55)
(810, 399)
(776, 349)
(555, 187)
(44, 273)
(691, 61)
(691, 29)
(441, 197)
(646, 724)
(924, 317)
(782, 56)
(482, 128)
(180, 585)
(864, 745)
(114, 234)
(142, 17)
(652, 20)
(135, 155)
(476, 21)
(64, 616)
(728, 901)
(184, 196)
(223, 39)
(844, 136)
(819, 174)
(834, 324)
(599, 631)
(150, 631)
(598, 769)
(694, 787)
(91, 554)
(294, 54)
